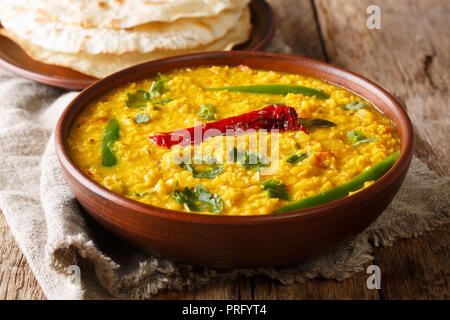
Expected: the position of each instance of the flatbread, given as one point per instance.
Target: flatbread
(124, 13)
(186, 33)
(101, 65)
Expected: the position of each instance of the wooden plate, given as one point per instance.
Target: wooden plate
(237, 241)
(15, 60)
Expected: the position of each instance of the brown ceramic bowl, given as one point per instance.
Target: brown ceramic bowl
(237, 241)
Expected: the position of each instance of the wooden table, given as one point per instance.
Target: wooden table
(410, 57)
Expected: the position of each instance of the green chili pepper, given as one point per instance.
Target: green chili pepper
(110, 136)
(283, 89)
(372, 174)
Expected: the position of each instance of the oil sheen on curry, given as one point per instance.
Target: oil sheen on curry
(233, 141)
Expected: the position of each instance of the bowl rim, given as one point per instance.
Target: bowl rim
(378, 186)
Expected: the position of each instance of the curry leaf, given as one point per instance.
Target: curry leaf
(312, 122)
(275, 189)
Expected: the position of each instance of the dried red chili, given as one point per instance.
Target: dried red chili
(273, 117)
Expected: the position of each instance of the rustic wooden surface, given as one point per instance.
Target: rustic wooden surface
(410, 57)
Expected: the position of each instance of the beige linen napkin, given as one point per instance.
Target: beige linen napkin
(55, 234)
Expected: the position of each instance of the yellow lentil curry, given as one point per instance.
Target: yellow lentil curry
(308, 161)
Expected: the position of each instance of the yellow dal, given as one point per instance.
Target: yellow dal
(144, 167)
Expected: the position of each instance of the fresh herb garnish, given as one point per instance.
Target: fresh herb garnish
(212, 172)
(250, 161)
(138, 100)
(296, 158)
(275, 189)
(157, 88)
(162, 101)
(110, 136)
(163, 77)
(137, 194)
(355, 105)
(207, 112)
(142, 118)
(357, 137)
(312, 122)
(198, 199)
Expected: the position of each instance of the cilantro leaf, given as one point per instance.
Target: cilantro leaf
(355, 105)
(275, 189)
(213, 172)
(198, 199)
(186, 197)
(296, 158)
(207, 112)
(214, 202)
(162, 77)
(368, 140)
(162, 101)
(137, 194)
(142, 118)
(138, 100)
(157, 87)
(357, 137)
(250, 161)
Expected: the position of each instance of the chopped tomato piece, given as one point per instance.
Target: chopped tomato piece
(100, 119)
(387, 130)
(323, 159)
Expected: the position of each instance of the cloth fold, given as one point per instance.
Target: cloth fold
(58, 237)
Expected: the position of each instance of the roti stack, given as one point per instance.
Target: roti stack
(98, 38)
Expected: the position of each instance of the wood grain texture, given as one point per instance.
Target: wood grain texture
(316, 289)
(416, 268)
(16, 279)
(410, 58)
